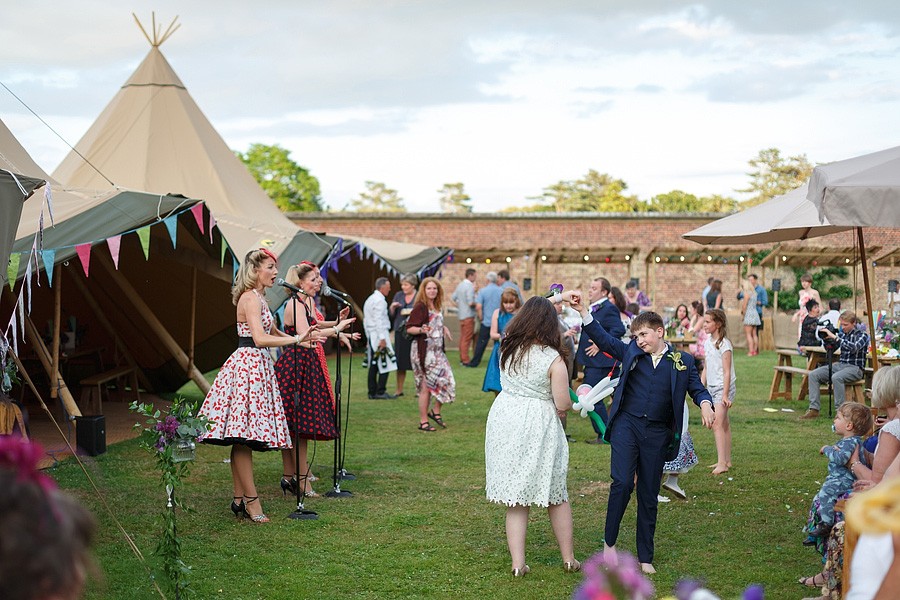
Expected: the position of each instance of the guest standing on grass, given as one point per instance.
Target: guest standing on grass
(509, 306)
(525, 448)
(434, 377)
(719, 378)
(303, 379)
(244, 403)
(486, 302)
(464, 298)
(377, 324)
(714, 296)
(645, 420)
(751, 317)
(399, 310)
(807, 293)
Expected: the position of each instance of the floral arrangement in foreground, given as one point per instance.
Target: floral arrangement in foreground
(172, 438)
(625, 581)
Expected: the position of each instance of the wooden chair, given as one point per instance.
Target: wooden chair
(94, 387)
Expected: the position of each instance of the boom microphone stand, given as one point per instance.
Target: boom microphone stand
(300, 513)
(338, 472)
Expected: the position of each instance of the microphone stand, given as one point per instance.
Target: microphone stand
(300, 513)
(338, 472)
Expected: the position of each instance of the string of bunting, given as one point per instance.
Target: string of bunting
(83, 250)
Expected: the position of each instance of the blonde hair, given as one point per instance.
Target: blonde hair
(886, 387)
(721, 321)
(858, 415)
(296, 273)
(876, 510)
(246, 278)
(421, 297)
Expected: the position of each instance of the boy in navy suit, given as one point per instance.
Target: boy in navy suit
(597, 364)
(645, 419)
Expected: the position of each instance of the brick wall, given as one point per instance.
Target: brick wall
(522, 238)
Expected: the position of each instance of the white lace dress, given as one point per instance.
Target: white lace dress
(525, 449)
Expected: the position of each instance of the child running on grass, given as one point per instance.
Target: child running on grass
(719, 378)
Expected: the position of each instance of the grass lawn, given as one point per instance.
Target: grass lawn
(418, 525)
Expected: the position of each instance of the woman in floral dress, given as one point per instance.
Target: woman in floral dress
(434, 378)
(303, 378)
(243, 402)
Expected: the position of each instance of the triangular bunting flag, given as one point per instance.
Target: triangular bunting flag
(114, 243)
(172, 225)
(212, 223)
(84, 253)
(234, 269)
(49, 257)
(15, 334)
(197, 211)
(224, 250)
(12, 271)
(28, 283)
(144, 235)
(48, 196)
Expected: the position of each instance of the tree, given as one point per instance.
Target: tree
(454, 199)
(288, 184)
(773, 175)
(595, 192)
(378, 198)
(675, 201)
(718, 204)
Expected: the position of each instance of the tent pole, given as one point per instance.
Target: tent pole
(57, 310)
(164, 336)
(193, 318)
(107, 325)
(865, 273)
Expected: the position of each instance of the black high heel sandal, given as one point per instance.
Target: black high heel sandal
(288, 484)
(437, 419)
(260, 518)
(239, 510)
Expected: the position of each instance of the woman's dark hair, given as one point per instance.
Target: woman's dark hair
(618, 299)
(536, 323)
(716, 285)
(698, 306)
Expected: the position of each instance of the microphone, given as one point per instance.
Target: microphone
(287, 285)
(332, 293)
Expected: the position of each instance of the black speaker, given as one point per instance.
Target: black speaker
(90, 434)
(776, 285)
(892, 286)
(526, 284)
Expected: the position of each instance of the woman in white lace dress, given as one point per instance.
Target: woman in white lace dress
(526, 453)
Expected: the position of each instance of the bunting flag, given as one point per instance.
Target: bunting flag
(84, 253)
(197, 211)
(48, 196)
(224, 249)
(49, 257)
(28, 282)
(114, 243)
(234, 269)
(172, 225)
(212, 223)
(12, 271)
(15, 334)
(144, 235)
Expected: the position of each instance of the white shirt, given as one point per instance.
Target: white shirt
(464, 297)
(872, 558)
(375, 318)
(714, 363)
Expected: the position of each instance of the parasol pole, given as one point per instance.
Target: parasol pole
(865, 274)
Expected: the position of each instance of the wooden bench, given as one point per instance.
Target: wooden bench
(94, 387)
(786, 373)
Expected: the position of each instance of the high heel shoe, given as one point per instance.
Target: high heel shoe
(572, 567)
(288, 484)
(260, 518)
(521, 572)
(309, 493)
(239, 510)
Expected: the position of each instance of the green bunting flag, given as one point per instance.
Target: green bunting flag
(12, 270)
(144, 235)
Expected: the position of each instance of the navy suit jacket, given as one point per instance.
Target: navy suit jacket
(608, 316)
(682, 382)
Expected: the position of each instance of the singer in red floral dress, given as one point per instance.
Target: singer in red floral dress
(303, 377)
(243, 402)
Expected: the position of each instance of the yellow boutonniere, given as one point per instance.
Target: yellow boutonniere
(675, 357)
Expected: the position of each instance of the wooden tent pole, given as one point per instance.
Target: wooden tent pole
(155, 325)
(33, 337)
(108, 326)
(871, 318)
(57, 310)
(193, 319)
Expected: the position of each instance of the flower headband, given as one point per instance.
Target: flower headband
(21, 457)
(269, 253)
(308, 264)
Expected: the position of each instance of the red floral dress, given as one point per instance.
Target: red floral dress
(305, 387)
(244, 402)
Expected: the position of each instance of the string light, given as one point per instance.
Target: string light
(608, 259)
(586, 258)
(682, 258)
(627, 257)
(657, 259)
(508, 259)
(709, 258)
(742, 258)
(468, 261)
(487, 261)
(543, 257)
(784, 259)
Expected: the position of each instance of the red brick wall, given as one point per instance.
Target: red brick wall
(480, 236)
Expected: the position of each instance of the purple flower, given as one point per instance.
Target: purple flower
(754, 592)
(555, 288)
(686, 587)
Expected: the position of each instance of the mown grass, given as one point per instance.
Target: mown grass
(418, 525)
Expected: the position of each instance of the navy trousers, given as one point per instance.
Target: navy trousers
(637, 446)
(484, 337)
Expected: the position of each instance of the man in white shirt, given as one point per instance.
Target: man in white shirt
(377, 325)
(464, 297)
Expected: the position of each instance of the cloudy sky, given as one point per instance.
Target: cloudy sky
(507, 97)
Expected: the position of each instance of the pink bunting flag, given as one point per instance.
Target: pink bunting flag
(84, 253)
(212, 223)
(197, 211)
(114, 243)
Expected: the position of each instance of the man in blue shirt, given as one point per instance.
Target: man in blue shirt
(854, 346)
(486, 302)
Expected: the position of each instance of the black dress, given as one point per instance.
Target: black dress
(305, 391)
(402, 344)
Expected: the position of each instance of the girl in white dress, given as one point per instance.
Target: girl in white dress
(526, 453)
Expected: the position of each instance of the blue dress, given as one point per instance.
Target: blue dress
(492, 375)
